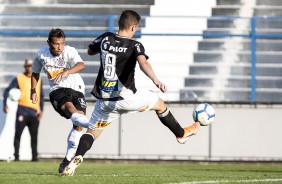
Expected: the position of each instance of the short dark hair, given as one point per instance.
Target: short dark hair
(128, 18)
(58, 33)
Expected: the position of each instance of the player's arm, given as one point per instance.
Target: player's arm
(40, 111)
(146, 67)
(94, 47)
(41, 96)
(79, 66)
(90, 52)
(34, 81)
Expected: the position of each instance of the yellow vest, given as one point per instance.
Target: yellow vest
(24, 83)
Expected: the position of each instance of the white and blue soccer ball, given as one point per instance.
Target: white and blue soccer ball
(15, 94)
(204, 113)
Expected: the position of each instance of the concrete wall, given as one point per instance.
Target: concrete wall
(240, 132)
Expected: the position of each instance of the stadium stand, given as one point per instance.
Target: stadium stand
(222, 66)
(194, 67)
(26, 27)
(170, 56)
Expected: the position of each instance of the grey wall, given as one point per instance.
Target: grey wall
(240, 132)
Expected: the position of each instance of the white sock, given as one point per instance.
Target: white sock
(73, 141)
(79, 120)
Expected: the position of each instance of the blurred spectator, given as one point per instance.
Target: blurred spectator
(28, 114)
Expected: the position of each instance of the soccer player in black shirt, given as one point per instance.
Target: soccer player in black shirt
(115, 86)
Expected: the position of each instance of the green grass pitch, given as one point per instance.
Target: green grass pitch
(145, 173)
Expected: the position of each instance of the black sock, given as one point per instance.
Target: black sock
(65, 160)
(169, 121)
(85, 144)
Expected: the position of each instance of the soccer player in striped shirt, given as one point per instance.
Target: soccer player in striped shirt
(62, 63)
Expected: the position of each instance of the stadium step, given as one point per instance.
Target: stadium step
(228, 2)
(233, 81)
(226, 10)
(9, 42)
(14, 55)
(239, 45)
(235, 69)
(237, 57)
(102, 9)
(269, 2)
(230, 94)
(147, 2)
(270, 11)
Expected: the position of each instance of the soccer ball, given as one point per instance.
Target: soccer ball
(15, 94)
(204, 113)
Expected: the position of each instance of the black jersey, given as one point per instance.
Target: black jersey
(118, 56)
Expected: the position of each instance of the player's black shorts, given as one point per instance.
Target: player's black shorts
(61, 96)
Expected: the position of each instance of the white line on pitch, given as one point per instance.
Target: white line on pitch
(228, 181)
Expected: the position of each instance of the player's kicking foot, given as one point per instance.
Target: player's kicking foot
(75, 162)
(189, 131)
(63, 165)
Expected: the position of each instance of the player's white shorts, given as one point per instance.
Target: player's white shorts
(106, 112)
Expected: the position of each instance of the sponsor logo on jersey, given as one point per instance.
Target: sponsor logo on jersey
(117, 49)
(82, 103)
(138, 47)
(102, 124)
(144, 108)
(109, 85)
(52, 74)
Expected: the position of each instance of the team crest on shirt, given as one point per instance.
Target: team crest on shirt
(61, 62)
(105, 45)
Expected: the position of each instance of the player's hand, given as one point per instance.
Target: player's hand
(60, 76)
(39, 115)
(5, 108)
(161, 86)
(33, 97)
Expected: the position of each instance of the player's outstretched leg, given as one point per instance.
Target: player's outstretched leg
(75, 162)
(188, 131)
(181, 134)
